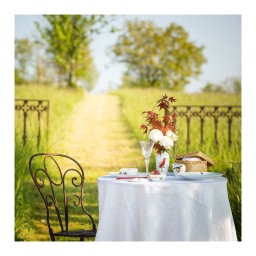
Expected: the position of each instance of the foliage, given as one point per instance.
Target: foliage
(67, 38)
(23, 51)
(238, 86)
(210, 87)
(161, 130)
(158, 57)
(44, 68)
(18, 77)
(31, 56)
(230, 85)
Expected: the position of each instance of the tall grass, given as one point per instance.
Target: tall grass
(227, 160)
(61, 105)
(135, 101)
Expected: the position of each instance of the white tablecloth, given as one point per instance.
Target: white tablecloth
(169, 210)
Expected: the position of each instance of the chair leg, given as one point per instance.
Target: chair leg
(51, 234)
(82, 238)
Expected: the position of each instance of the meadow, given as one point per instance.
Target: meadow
(61, 106)
(132, 103)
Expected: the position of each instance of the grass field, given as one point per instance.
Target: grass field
(133, 103)
(61, 105)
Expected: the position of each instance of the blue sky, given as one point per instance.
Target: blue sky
(220, 34)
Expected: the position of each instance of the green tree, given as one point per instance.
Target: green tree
(158, 57)
(211, 87)
(23, 52)
(232, 84)
(237, 85)
(68, 39)
(41, 64)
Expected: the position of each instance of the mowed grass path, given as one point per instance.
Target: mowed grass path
(100, 141)
(99, 138)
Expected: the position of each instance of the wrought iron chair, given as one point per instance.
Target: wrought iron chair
(60, 180)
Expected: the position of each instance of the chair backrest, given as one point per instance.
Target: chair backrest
(60, 181)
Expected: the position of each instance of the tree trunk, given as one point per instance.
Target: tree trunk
(71, 75)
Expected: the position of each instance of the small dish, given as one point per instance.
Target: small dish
(156, 177)
(128, 171)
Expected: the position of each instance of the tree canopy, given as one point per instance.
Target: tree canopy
(67, 39)
(158, 57)
(230, 85)
(23, 51)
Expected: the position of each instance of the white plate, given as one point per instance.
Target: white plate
(199, 175)
(118, 175)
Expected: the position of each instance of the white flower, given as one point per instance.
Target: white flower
(171, 135)
(155, 135)
(166, 142)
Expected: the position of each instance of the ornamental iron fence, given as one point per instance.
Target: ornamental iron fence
(41, 108)
(216, 113)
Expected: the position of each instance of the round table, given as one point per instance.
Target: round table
(171, 210)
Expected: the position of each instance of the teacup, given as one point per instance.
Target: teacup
(178, 168)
